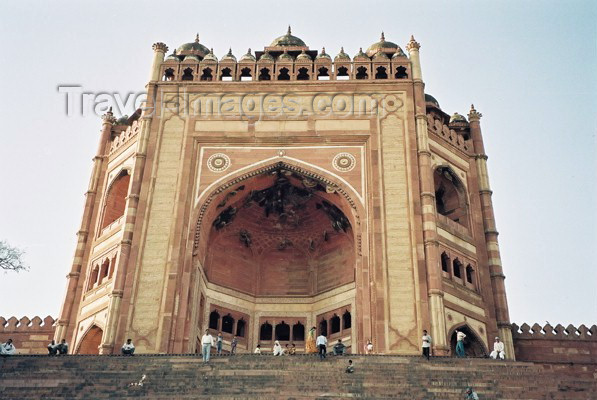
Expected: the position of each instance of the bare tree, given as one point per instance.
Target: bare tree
(11, 258)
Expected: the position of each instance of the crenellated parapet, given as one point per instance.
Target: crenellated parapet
(30, 336)
(559, 332)
(555, 345)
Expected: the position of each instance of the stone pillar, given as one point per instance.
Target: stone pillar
(73, 291)
(491, 236)
(160, 50)
(431, 243)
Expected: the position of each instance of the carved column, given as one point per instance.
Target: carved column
(431, 243)
(73, 291)
(491, 236)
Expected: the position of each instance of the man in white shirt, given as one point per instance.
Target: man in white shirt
(321, 343)
(498, 350)
(426, 344)
(128, 349)
(206, 342)
(7, 349)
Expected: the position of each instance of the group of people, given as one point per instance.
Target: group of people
(208, 341)
(55, 349)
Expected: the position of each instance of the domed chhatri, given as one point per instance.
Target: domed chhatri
(360, 56)
(285, 57)
(382, 45)
(323, 55)
(458, 118)
(342, 56)
(303, 56)
(249, 57)
(430, 99)
(266, 57)
(210, 56)
(193, 48)
(229, 57)
(173, 57)
(288, 40)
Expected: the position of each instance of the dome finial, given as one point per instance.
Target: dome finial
(323, 50)
(383, 37)
(197, 38)
(229, 51)
(289, 30)
(342, 49)
(249, 51)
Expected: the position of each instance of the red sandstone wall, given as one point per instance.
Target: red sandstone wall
(545, 344)
(29, 336)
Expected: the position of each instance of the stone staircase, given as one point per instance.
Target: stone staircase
(288, 377)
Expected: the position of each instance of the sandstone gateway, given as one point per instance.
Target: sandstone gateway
(287, 189)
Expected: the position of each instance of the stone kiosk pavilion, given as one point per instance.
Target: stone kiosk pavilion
(287, 189)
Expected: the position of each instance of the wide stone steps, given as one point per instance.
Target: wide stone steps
(290, 377)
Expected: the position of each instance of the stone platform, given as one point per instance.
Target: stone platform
(289, 377)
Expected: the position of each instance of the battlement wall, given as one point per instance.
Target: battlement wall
(559, 345)
(30, 336)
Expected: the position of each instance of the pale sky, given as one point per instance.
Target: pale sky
(529, 66)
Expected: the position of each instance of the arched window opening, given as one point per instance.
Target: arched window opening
(335, 324)
(342, 74)
(265, 333)
(226, 74)
(283, 331)
(245, 74)
(323, 327)
(362, 73)
(450, 200)
(264, 74)
(214, 320)
(303, 74)
(346, 320)
(240, 328)
(168, 75)
(227, 324)
(283, 75)
(206, 75)
(298, 332)
(104, 271)
(116, 199)
(323, 74)
(445, 262)
(381, 73)
(470, 273)
(457, 265)
(401, 73)
(187, 75)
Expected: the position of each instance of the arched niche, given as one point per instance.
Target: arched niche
(281, 231)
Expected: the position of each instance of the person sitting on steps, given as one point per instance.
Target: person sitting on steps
(498, 350)
(52, 351)
(339, 348)
(128, 349)
(350, 367)
(62, 347)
